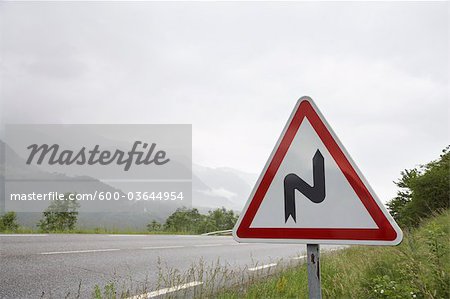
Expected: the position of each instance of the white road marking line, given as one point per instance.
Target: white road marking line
(23, 235)
(262, 267)
(299, 257)
(128, 235)
(80, 251)
(163, 247)
(167, 290)
(207, 245)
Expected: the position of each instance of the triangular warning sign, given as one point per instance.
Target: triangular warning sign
(310, 191)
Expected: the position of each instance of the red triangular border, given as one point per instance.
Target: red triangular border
(385, 230)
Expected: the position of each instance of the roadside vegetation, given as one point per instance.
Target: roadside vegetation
(8, 222)
(62, 216)
(422, 191)
(417, 268)
(191, 221)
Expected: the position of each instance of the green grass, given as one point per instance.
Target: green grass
(418, 268)
(20, 230)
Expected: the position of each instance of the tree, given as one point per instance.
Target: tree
(61, 215)
(191, 221)
(423, 192)
(207, 225)
(222, 218)
(184, 220)
(154, 226)
(8, 222)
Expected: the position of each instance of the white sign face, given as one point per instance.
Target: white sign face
(310, 191)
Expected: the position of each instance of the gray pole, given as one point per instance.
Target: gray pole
(313, 253)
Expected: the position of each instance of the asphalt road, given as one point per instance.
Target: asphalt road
(56, 266)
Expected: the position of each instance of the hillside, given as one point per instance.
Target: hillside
(211, 188)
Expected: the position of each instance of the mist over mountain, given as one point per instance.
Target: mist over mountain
(222, 186)
(211, 188)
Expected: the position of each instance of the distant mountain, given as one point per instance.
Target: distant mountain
(118, 214)
(211, 188)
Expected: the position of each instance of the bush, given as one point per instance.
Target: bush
(184, 220)
(61, 215)
(154, 226)
(191, 221)
(8, 222)
(423, 191)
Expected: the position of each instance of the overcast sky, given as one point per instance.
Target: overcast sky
(378, 72)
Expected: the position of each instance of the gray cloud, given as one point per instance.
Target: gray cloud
(378, 71)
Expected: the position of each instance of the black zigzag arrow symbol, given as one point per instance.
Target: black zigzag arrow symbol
(315, 193)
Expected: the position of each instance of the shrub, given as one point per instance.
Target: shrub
(61, 215)
(8, 221)
(423, 192)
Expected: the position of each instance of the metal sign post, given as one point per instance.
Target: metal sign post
(313, 254)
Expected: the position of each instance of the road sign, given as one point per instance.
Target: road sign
(311, 191)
